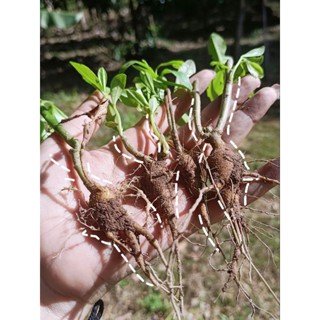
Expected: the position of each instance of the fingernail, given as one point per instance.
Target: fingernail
(276, 87)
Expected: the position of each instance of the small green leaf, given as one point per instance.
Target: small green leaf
(255, 69)
(216, 86)
(174, 63)
(183, 120)
(138, 97)
(257, 52)
(188, 68)
(51, 113)
(182, 80)
(127, 101)
(88, 75)
(118, 84)
(127, 65)
(103, 77)
(153, 104)
(241, 71)
(217, 48)
(111, 119)
(45, 130)
(258, 60)
(147, 80)
(165, 83)
(139, 65)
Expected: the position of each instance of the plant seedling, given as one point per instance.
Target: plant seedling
(224, 166)
(156, 182)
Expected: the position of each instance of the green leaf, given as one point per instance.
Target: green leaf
(102, 77)
(139, 65)
(165, 83)
(257, 52)
(183, 120)
(45, 130)
(147, 80)
(87, 75)
(255, 69)
(258, 60)
(111, 119)
(153, 104)
(188, 68)
(138, 97)
(174, 63)
(129, 102)
(241, 71)
(127, 65)
(182, 80)
(51, 113)
(216, 86)
(117, 85)
(217, 48)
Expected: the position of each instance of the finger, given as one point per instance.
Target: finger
(251, 112)
(209, 115)
(75, 126)
(258, 189)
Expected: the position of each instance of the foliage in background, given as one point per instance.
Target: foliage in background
(147, 20)
(59, 19)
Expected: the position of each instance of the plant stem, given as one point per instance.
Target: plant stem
(159, 135)
(197, 107)
(131, 149)
(124, 139)
(75, 151)
(172, 123)
(216, 134)
(226, 98)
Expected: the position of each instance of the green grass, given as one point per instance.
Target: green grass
(262, 143)
(154, 302)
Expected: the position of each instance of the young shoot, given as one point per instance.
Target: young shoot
(150, 88)
(53, 115)
(226, 74)
(112, 95)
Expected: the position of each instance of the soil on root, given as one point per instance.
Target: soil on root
(190, 173)
(157, 184)
(226, 171)
(106, 214)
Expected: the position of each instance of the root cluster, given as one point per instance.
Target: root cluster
(220, 174)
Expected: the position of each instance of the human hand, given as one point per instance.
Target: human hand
(77, 270)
